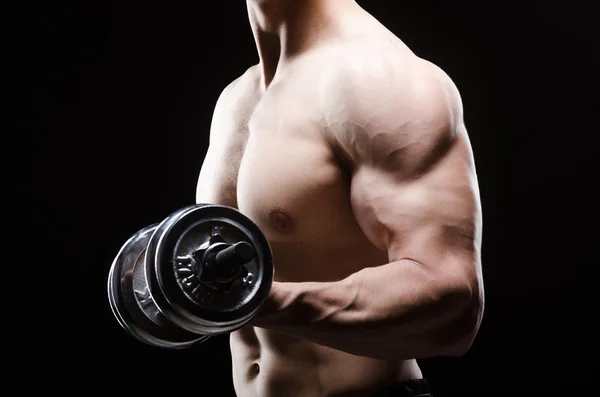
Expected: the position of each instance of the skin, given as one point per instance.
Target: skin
(351, 154)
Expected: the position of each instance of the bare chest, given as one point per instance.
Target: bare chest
(273, 162)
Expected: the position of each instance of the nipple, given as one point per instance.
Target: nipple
(281, 220)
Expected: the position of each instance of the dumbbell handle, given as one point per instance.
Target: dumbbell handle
(227, 264)
(236, 254)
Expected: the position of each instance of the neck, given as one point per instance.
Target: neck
(284, 28)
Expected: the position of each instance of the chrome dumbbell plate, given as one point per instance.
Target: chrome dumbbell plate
(132, 303)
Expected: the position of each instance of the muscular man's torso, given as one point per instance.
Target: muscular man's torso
(270, 156)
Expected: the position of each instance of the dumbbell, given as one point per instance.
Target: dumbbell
(204, 270)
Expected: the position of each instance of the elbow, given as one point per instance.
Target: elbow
(463, 327)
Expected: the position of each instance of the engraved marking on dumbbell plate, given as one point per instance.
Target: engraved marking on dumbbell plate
(186, 275)
(215, 236)
(188, 278)
(248, 279)
(143, 297)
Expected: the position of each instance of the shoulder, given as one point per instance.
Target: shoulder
(236, 101)
(405, 88)
(239, 91)
(392, 107)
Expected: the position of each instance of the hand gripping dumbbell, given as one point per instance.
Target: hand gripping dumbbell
(205, 270)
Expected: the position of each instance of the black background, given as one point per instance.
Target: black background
(119, 102)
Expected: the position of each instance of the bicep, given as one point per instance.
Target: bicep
(433, 218)
(414, 188)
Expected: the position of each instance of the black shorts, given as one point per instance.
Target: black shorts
(409, 388)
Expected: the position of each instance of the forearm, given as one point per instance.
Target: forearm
(393, 311)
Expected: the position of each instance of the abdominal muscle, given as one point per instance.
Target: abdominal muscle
(267, 364)
(270, 364)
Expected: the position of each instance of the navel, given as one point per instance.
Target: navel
(253, 371)
(281, 220)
